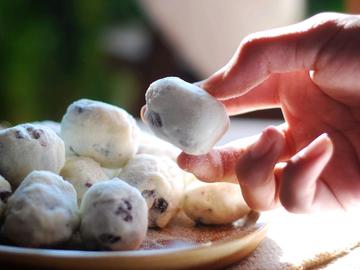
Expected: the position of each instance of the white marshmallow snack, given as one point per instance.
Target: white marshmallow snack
(214, 203)
(185, 115)
(5, 192)
(25, 148)
(160, 181)
(103, 132)
(82, 173)
(113, 216)
(42, 211)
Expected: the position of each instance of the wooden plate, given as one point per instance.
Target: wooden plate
(179, 246)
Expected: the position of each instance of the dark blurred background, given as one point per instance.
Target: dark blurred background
(54, 52)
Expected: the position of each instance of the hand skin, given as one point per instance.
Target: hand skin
(311, 70)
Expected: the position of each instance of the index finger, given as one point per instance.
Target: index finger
(292, 48)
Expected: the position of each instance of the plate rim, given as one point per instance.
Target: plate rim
(83, 254)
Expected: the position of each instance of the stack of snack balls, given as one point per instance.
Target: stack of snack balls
(98, 175)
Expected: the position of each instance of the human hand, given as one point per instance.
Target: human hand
(311, 71)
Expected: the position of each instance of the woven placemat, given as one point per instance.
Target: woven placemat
(314, 241)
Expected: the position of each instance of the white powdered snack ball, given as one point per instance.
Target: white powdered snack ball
(82, 173)
(25, 148)
(54, 126)
(5, 192)
(42, 211)
(101, 131)
(160, 181)
(185, 115)
(214, 203)
(113, 216)
(149, 144)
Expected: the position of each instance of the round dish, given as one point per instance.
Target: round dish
(176, 247)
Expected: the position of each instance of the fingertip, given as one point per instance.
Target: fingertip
(324, 146)
(216, 166)
(142, 113)
(200, 84)
(210, 85)
(325, 138)
(320, 148)
(201, 166)
(183, 161)
(215, 84)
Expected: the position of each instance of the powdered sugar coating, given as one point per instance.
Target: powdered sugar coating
(103, 132)
(160, 181)
(185, 115)
(42, 211)
(113, 216)
(27, 147)
(214, 203)
(82, 173)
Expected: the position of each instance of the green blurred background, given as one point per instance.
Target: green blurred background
(54, 52)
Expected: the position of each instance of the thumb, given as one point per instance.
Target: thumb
(217, 165)
(220, 164)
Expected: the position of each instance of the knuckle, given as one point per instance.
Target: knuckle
(252, 43)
